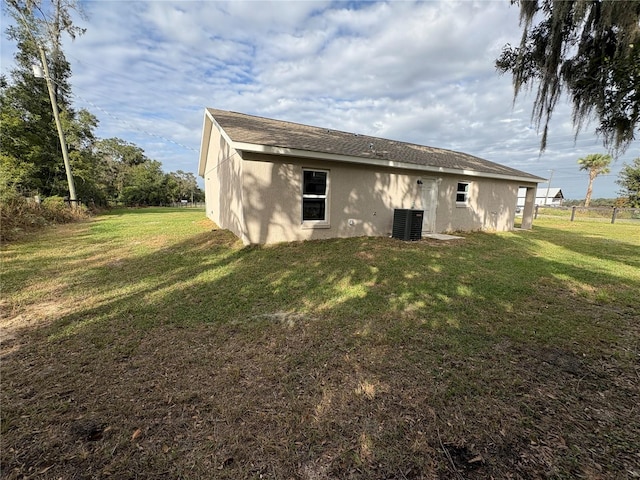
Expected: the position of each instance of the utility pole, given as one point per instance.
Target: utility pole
(44, 72)
(546, 197)
(56, 115)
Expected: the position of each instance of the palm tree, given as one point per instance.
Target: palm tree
(596, 164)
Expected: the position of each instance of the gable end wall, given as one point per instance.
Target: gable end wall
(223, 185)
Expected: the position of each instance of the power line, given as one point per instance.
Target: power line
(534, 146)
(135, 127)
(557, 141)
(124, 122)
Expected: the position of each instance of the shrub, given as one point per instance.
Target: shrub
(13, 214)
(20, 215)
(56, 210)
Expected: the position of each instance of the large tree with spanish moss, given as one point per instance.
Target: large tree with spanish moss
(588, 50)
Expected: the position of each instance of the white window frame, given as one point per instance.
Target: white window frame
(464, 192)
(324, 223)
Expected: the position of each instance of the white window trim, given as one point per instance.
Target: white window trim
(316, 223)
(466, 192)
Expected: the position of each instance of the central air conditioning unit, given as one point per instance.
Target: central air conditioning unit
(407, 224)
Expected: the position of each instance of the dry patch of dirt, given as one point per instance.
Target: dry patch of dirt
(14, 321)
(294, 398)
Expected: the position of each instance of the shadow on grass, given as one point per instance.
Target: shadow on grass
(600, 243)
(358, 358)
(210, 279)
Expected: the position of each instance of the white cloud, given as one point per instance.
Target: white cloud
(413, 71)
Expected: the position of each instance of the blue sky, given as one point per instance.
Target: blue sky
(419, 72)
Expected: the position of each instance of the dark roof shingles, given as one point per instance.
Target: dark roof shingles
(276, 133)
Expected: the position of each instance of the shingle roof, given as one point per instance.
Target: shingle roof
(250, 129)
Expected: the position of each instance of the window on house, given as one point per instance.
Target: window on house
(315, 187)
(462, 193)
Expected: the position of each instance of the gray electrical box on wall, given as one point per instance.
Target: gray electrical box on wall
(407, 224)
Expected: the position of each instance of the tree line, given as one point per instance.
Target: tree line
(105, 170)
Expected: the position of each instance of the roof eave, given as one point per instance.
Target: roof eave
(291, 152)
(207, 125)
(207, 128)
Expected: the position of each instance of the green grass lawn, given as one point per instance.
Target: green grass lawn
(150, 344)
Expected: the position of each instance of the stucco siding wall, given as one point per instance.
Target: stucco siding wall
(223, 185)
(490, 206)
(362, 200)
(271, 197)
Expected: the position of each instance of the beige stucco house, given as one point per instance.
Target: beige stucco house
(273, 181)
